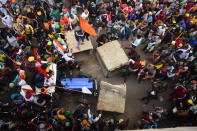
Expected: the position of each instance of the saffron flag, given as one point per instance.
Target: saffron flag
(58, 46)
(85, 26)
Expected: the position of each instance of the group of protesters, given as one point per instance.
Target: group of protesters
(33, 37)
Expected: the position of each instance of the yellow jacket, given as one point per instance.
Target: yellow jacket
(28, 31)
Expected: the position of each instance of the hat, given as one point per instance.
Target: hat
(67, 124)
(187, 15)
(57, 26)
(59, 39)
(14, 1)
(28, 10)
(180, 45)
(85, 123)
(190, 101)
(22, 76)
(193, 82)
(67, 113)
(11, 85)
(163, 70)
(86, 11)
(143, 63)
(64, 10)
(71, 15)
(49, 43)
(28, 95)
(39, 13)
(31, 58)
(20, 16)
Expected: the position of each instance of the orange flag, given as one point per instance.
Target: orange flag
(87, 27)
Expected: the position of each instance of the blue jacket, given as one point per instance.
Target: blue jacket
(79, 35)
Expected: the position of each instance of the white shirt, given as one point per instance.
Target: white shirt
(74, 20)
(7, 20)
(12, 41)
(161, 31)
(85, 15)
(73, 11)
(67, 57)
(137, 42)
(91, 119)
(3, 1)
(184, 54)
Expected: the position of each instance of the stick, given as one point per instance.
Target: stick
(71, 89)
(179, 36)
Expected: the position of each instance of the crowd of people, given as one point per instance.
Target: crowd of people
(33, 37)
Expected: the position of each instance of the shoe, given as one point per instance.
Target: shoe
(87, 39)
(78, 48)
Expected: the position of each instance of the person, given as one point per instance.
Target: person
(73, 20)
(151, 95)
(43, 70)
(137, 41)
(101, 40)
(7, 20)
(92, 118)
(85, 15)
(79, 36)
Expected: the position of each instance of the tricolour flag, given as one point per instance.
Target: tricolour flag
(58, 46)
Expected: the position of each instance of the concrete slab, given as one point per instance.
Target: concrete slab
(112, 97)
(72, 43)
(111, 56)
